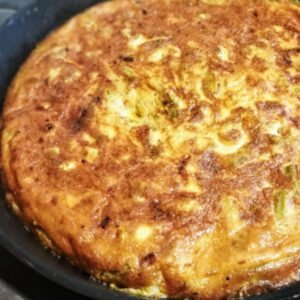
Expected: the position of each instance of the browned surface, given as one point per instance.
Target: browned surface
(93, 212)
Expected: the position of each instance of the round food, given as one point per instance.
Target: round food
(155, 144)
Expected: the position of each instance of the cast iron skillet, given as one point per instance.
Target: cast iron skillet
(18, 36)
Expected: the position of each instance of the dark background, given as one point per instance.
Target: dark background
(29, 283)
(20, 277)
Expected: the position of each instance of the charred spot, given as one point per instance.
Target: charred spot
(182, 164)
(40, 140)
(48, 127)
(153, 150)
(294, 51)
(167, 101)
(127, 58)
(80, 120)
(255, 13)
(227, 278)
(158, 212)
(54, 201)
(97, 99)
(144, 12)
(170, 107)
(286, 58)
(149, 259)
(83, 161)
(82, 116)
(251, 30)
(110, 189)
(79, 116)
(105, 222)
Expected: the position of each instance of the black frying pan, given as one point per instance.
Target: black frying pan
(18, 36)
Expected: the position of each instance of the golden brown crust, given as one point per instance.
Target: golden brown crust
(155, 143)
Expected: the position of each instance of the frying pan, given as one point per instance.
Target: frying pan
(18, 36)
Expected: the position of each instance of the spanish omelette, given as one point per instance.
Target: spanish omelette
(155, 144)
